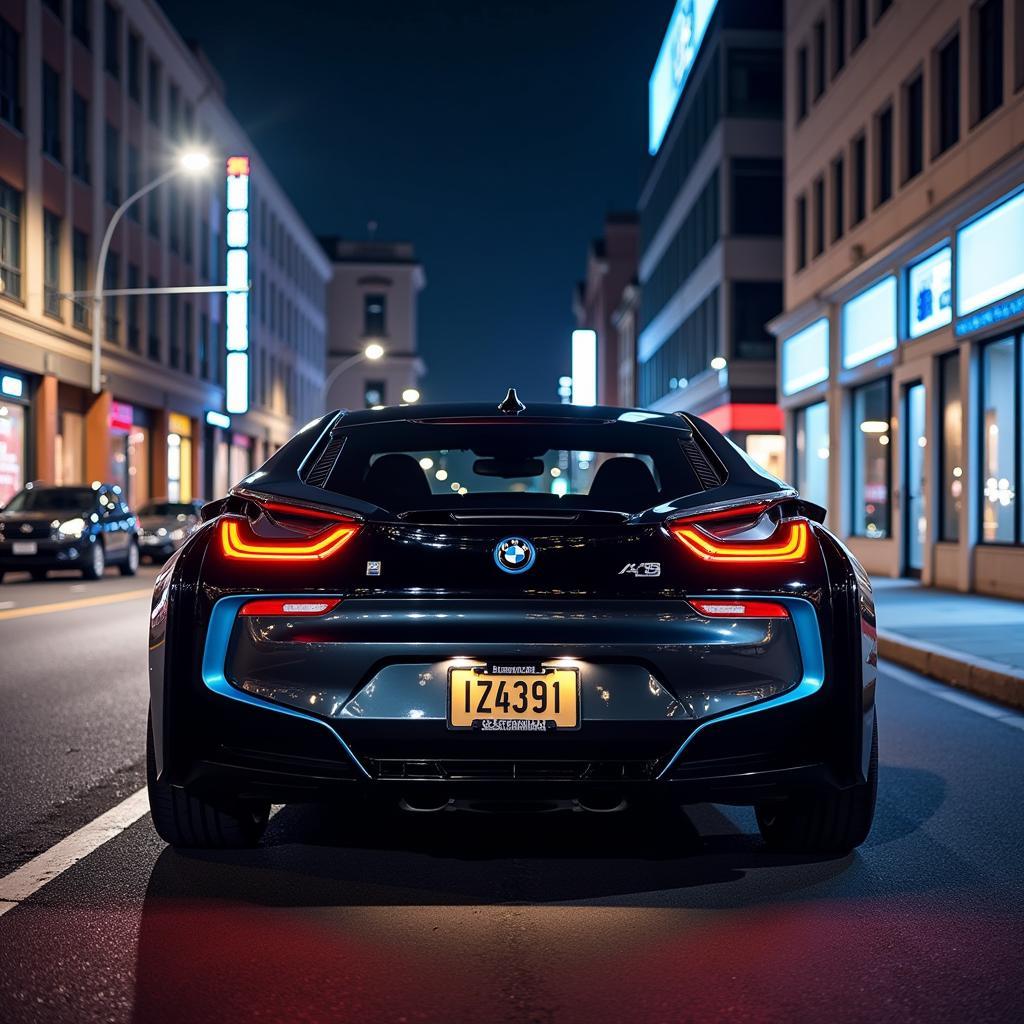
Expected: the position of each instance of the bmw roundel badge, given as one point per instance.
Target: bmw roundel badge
(514, 554)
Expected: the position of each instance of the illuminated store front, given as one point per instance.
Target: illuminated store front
(179, 458)
(13, 388)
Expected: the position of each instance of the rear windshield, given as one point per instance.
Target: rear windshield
(421, 465)
(52, 499)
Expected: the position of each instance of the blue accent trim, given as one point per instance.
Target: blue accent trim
(808, 637)
(522, 568)
(215, 653)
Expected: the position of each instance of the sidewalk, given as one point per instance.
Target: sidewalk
(967, 640)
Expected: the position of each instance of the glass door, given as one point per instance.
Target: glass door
(915, 516)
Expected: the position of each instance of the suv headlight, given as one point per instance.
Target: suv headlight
(71, 529)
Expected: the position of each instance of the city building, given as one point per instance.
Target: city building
(97, 99)
(372, 301)
(902, 341)
(611, 268)
(710, 268)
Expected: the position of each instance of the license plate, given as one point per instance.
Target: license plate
(24, 547)
(527, 699)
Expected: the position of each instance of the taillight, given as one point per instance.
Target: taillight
(279, 532)
(290, 606)
(724, 608)
(745, 534)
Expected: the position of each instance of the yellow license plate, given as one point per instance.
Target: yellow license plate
(518, 701)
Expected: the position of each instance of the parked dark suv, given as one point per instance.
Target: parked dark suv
(82, 527)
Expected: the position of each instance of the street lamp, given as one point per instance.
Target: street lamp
(191, 162)
(373, 351)
(410, 395)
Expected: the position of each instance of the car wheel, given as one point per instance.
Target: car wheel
(95, 563)
(39, 574)
(192, 822)
(131, 562)
(833, 824)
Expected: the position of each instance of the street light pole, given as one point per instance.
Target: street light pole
(372, 352)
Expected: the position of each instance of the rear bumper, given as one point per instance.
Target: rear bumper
(50, 554)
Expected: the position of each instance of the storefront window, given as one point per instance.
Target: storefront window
(179, 458)
(12, 450)
(990, 258)
(951, 491)
(805, 358)
(999, 385)
(812, 452)
(869, 323)
(872, 459)
(239, 458)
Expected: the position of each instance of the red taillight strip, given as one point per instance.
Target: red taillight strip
(791, 545)
(278, 549)
(725, 608)
(291, 606)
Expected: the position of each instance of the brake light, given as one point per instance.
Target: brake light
(291, 606)
(723, 608)
(239, 540)
(738, 536)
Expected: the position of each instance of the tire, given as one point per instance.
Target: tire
(96, 563)
(186, 821)
(833, 824)
(131, 562)
(39, 574)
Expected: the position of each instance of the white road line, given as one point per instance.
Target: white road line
(29, 878)
(944, 692)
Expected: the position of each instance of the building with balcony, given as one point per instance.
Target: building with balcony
(98, 98)
(901, 348)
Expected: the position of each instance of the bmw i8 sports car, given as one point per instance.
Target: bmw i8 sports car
(592, 607)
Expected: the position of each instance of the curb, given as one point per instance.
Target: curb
(985, 678)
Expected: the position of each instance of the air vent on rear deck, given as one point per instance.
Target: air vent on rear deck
(699, 463)
(321, 470)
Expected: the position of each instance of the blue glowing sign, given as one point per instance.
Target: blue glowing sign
(930, 293)
(12, 385)
(805, 358)
(869, 323)
(236, 392)
(990, 256)
(678, 50)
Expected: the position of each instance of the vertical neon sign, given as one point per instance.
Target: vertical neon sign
(236, 233)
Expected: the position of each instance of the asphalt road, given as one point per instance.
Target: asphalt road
(463, 917)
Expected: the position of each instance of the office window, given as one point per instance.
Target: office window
(913, 127)
(988, 63)
(132, 182)
(187, 242)
(948, 127)
(190, 366)
(838, 199)
(153, 213)
(203, 355)
(819, 58)
(952, 455)
(375, 315)
(134, 67)
(111, 273)
(174, 111)
(51, 112)
(153, 91)
(152, 322)
(80, 138)
(80, 278)
(10, 75)
(839, 16)
(173, 337)
(112, 164)
(754, 87)
(859, 28)
(173, 220)
(754, 303)
(812, 452)
(801, 83)
(800, 232)
(859, 197)
(373, 393)
(10, 241)
(1018, 59)
(757, 196)
(883, 156)
(819, 216)
(80, 22)
(1000, 384)
(112, 40)
(204, 250)
(51, 264)
(872, 459)
(133, 303)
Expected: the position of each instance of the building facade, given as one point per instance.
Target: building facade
(611, 269)
(372, 298)
(901, 348)
(96, 100)
(711, 246)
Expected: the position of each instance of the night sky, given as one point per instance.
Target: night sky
(494, 135)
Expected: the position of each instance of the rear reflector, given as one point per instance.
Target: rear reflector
(290, 606)
(725, 609)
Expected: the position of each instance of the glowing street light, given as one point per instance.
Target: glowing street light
(410, 395)
(373, 351)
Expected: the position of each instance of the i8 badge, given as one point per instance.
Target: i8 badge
(514, 554)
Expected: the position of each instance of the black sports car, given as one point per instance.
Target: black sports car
(477, 603)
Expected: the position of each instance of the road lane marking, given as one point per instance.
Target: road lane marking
(80, 602)
(943, 691)
(29, 878)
